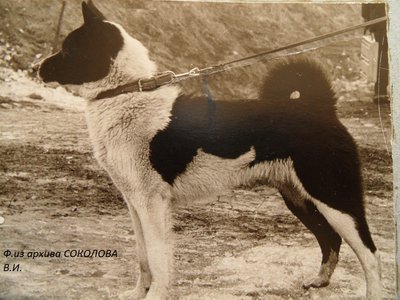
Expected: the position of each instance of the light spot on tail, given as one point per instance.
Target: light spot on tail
(295, 95)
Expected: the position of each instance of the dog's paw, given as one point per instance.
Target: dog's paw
(156, 293)
(316, 282)
(137, 294)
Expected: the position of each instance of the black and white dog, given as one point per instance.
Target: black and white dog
(160, 147)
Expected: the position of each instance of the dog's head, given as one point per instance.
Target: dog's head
(97, 56)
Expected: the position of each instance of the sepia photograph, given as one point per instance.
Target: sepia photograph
(197, 150)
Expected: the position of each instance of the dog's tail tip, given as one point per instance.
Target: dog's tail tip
(298, 80)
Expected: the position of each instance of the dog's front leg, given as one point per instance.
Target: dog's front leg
(144, 281)
(155, 219)
(152, 225)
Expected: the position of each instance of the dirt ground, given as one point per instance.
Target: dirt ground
(244, 245)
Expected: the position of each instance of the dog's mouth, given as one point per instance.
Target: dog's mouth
(72, 88)
(36, 69)
(52, 84)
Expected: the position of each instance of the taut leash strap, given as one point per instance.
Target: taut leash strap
(170, 77)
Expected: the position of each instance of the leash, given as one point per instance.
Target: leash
(169, 77)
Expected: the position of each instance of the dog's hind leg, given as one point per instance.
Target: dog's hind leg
(327, 238)
(354, 230)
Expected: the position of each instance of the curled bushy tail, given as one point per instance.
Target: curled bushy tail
(303, 82)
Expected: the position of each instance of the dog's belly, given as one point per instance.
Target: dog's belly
(210, 176)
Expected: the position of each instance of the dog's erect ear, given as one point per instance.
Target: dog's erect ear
(91, 13)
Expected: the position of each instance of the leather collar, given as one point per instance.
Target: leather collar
(142, 85)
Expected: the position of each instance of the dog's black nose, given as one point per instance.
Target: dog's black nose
(45, 71)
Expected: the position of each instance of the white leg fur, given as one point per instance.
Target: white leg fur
(346, 228)
(144, 280)
(155, 218)
(152, 225)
